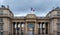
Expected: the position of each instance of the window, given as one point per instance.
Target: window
(1, 27)
(58, 33)
(58, 13)
(1, 33)
(1, 12)
(30, 25)
(1, 20)
(58, 20)
(58, 26)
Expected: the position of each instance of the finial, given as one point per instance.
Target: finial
(7, 6)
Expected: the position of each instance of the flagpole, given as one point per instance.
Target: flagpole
(32, 12)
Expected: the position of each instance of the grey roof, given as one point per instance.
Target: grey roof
(57, 8)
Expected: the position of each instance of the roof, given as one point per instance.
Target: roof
(56, 9)
(27, 16)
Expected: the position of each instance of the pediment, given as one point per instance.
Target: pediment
(31, 16)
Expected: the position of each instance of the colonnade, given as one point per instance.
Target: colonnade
(21, 28)
(43, 28)
(18, 28)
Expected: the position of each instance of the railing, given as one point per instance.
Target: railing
(54, 16)
(6, 15)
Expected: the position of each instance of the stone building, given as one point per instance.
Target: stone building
(29, 24)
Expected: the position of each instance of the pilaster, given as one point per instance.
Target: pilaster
(26, 28)
(12, 28)
(35, 29)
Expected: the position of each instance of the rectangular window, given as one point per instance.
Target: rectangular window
(1, 12)
(58, 26)
(1, 33)
(58, 33)
(1, 27)
(58, 20)
(1, 19)
(58, 13)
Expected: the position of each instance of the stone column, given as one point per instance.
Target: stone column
(35, 29)
(16, 28)
(24, 28)
(26, 33)
(12, 28)
(20, 28)
(45, 28)
(41, 28)
(48, 28)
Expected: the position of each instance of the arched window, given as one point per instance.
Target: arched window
(30, 25)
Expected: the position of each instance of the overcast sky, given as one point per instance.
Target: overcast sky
(23, 7)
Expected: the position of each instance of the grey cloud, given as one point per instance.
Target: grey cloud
(23, 6)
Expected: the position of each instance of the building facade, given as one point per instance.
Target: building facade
(29, 24)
